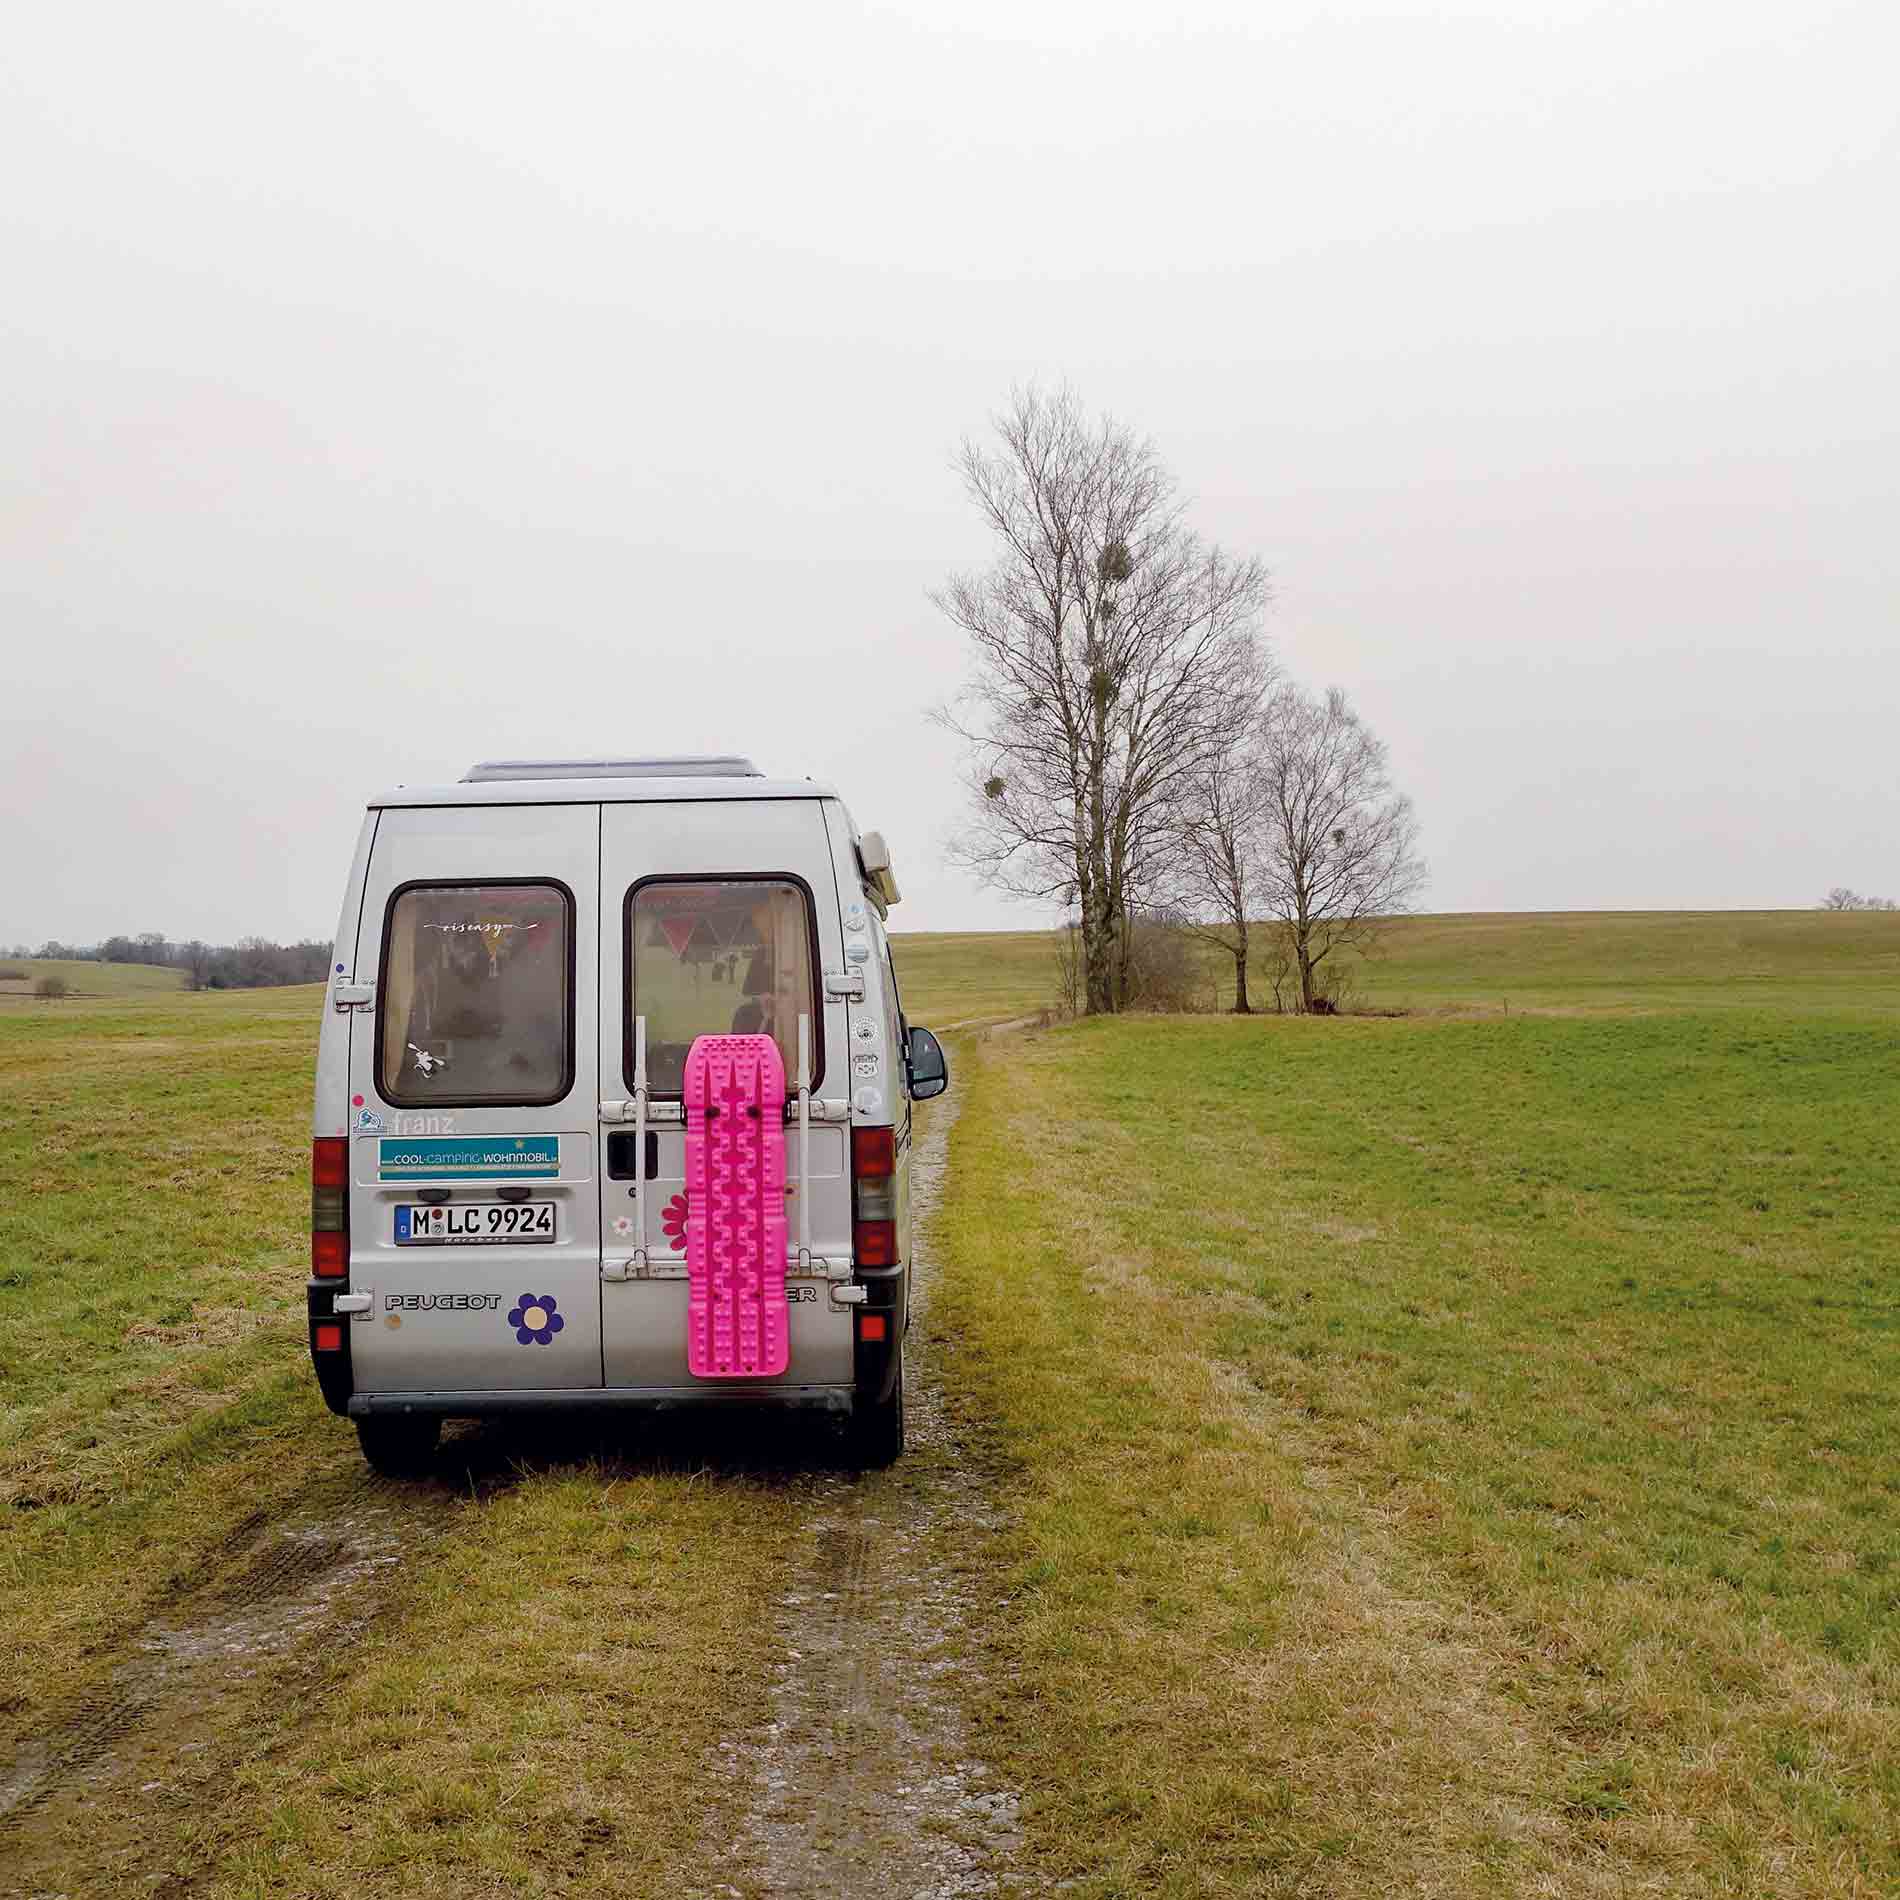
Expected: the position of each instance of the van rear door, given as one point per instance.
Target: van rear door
(474, 1210)
(717, 915)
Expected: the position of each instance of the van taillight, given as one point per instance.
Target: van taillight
(874, 1196)
(330, 1207)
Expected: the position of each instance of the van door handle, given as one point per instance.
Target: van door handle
(666, 1114)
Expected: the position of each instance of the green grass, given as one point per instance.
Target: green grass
(974, 976)
(1795, 959)
(86, 982)
(537, 1715)
(1493, 963)
(150, 1296)
(160, 1140)
(1456, 1454)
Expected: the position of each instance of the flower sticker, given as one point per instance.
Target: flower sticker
(623, 1225)
(673, 1222)
(534, 1319)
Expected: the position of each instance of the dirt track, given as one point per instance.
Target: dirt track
(865, 1782)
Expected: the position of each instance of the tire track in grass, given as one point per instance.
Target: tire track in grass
(77, 1790)
(866, 1780)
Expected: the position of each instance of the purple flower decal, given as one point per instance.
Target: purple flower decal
(534, 1319)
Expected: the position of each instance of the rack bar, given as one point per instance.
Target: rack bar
(640, 1143)
(804, 1139)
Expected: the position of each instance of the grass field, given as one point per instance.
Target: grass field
(1452, 1453)
(974, 976)
(1591, 960)
(1495, 963)
(85, 982)
(1457, 1455)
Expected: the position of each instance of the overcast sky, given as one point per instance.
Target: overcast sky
(388, 387)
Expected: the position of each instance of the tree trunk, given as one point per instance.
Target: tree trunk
(1098, 955)
(1241, 1006)
(1306, 966)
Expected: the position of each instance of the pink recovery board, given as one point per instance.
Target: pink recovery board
(736, 1316)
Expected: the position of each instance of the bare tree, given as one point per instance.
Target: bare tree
(1340, 854)
(1107, 637)
(1841, 898)
(1218, 838)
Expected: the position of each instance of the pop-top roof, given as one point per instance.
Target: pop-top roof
(698, 766)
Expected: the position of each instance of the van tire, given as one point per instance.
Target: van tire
(875, 1435)
(399, 1447)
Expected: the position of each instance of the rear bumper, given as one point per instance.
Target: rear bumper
(624, 1398)
(873, 1372)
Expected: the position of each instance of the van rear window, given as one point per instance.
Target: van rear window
(477, 995)
(720, 956)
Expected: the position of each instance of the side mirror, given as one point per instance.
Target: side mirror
(929, 1072)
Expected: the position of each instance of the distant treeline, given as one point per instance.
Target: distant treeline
(249, 964)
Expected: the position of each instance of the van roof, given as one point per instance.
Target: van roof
(587, 789)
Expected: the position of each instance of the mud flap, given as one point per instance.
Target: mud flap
(737, 1318)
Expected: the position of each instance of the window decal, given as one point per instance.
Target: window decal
(493, 932)
(476, 995)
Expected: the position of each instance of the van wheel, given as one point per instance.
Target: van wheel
(399, 1447)
(876, 1433)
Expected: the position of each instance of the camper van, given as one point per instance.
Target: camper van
(518, 1198)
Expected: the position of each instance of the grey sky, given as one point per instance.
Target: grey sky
(389, 387)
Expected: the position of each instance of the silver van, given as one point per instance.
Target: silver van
(498, 1168)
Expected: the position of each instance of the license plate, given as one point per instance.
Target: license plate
(474, 1223)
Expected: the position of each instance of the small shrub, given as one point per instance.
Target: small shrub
(51, 987)
(1274, 963)
(1161, 972)
(1338, 991)
(1069, 971)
